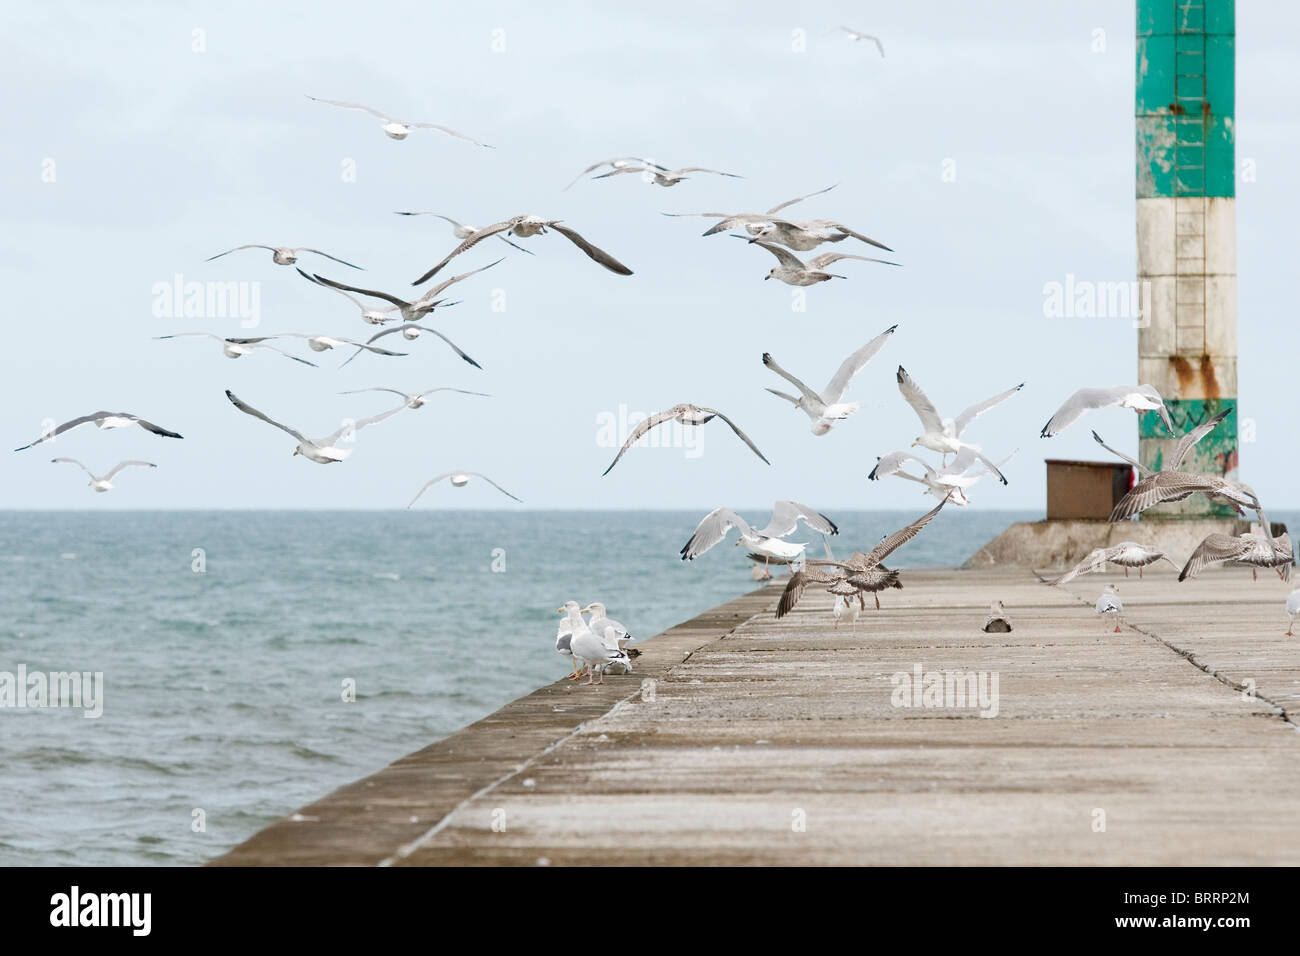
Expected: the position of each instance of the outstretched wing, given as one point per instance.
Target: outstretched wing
(839, 382)
(594, 253)
(1215, 549)
(328, 256)
(1143, 470)
(786, 516)
(658, 418)
(468, 242)
(829, 258)
(979, 408)
(351, 288)
(790, 202)
(494, 485)
(237, 248)
(425, 487)
(890, 464)
(712, 529)
(1192, 437)
(784, 255)
(808, 394)
(342, 104)
(901, 537)
(250, 410)
(128, 464)
(1095, 561)
(741, 435)
(72, 461)
(921, 404)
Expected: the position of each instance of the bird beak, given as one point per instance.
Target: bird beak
(559, 610)
(765, 278)
(587, 609)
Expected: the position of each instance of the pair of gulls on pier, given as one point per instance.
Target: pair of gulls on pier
(859, 574)
(943, 435)
(823, 408)
(595, 646)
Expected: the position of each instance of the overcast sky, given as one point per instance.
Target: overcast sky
(166, 145)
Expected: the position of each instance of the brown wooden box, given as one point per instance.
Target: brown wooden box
(1085, 489)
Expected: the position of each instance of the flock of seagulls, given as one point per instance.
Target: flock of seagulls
(597, 644)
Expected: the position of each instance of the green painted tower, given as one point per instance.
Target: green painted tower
(1186, 230)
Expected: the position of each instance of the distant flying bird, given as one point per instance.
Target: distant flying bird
(368, 315)
(417, 309)
(944, 434)
(323, 343)
(284, 255)
(323, 451)
(104, 482)
(1127, 554)
(414, 399)
(523, 227)
(460, 479)
(793, 271)
(1109, 606)
(666, 177)
(104, 420)
(1140, 398)
(234, 348)
(411, 331)
(751, 221)
(397, 128)
(767, 540)
(463, 231)
(801, 236)
(855, 36)
(824, 407)
(688, 415)
(618, 162)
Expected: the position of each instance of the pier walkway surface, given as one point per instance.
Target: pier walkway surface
(742, 739)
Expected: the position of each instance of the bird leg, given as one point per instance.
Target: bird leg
(577, 670)
(877, 597)
(862, 602)
(1139, 574)
(1126, 572)
(1254, 574)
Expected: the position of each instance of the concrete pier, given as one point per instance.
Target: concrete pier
(783, 742)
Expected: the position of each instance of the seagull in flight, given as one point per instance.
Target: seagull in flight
(688, 415)
(825, 407)
(410, 332)
(104, 482)
(460, 479)
(411, 311)
(104, 420)
(855, 36)
(1140, 398)
(944, 434)
(234, 348)
(792, 271)
(523, 227)
(394, 128)
(666, 177)
(284, 255)
(415, 399)
(617, 163)
(766, 541)
(945, 483)
(323, 451)
(462, 230)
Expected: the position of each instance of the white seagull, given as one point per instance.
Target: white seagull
(951, 480)
(793, 271)
(1293, 610)
(368, 315)
(523, 227)
(1127, 554)
(665, 177)
(753, 222)
(855, 36)
(234, 348)
(463, 230)
(766, 541)
(323, 451)
(1109, 604)
(103, 482)
(411, 311)
(284, 255)
(944, 434)
(323, 343)
(411, 331)
(618, 162)
(415, 399)
(397, 128)
(589, 647)
(1140, 398)
(825, 407)
(688, 415)
(800, 236)
(460, 479)
(104, 420)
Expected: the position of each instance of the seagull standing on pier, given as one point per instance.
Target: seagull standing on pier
(1109, 605)
(1293, 610)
